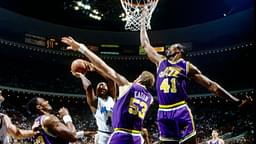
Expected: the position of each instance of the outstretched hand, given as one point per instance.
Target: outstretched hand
(72, 44)
(90, 66)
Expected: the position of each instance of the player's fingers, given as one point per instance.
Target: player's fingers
(64, 39)
(69, 48)
(70, 38)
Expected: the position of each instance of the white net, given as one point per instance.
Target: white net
(133, 11)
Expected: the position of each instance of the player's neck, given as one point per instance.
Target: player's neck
(104, 97)
(174, 59)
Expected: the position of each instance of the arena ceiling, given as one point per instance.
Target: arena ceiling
(169, 14)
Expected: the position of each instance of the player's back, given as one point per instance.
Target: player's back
(131, 107)
(4, 139)
(171, 81)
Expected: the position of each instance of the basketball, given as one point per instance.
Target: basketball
(79, 65)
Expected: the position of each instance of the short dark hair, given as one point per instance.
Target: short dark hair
(183, 49)
(98, 85)
(31, 105)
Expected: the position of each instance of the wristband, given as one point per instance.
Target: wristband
(80, 134)
(86, 82)
(82, 48)
(67, 118)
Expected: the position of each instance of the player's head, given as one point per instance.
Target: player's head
(38, 105)
(101, 89)
(215, 133)
(176, 49)
(146, 78)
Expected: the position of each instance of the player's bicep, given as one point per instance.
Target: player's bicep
(119, 79)
(57, 128)
(112, 88)
(11, 128)
(152, 54)
(198, 77)
(90, 96)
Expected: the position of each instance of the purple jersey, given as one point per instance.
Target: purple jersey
(172, 81)
(131, 107)
(45, 137)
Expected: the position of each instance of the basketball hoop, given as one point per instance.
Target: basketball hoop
(133, 10)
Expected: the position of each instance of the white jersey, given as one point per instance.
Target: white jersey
(101, 115)
(4, 124)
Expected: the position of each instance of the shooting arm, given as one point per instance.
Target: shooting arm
(145, 43)
(90, 95)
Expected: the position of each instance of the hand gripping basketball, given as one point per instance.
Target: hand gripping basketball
(81, 66)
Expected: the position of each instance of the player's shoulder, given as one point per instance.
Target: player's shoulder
(110, 98)
(181, 60)
(162, 58)
(50, 119)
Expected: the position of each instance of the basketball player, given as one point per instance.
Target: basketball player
(7, 129)
(215, 138)
(52, 130)
(101, 106)
(132, 103)
(175, 121)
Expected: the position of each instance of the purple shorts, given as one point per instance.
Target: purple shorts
(175, 124)
(119, 137)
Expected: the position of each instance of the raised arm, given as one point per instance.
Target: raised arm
(145, 43)
(90, 95)
(65, 131)
(98, 62)
(212, 86)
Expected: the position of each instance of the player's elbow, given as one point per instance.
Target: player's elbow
(143, 44)
(73, 138)
(18, 134)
